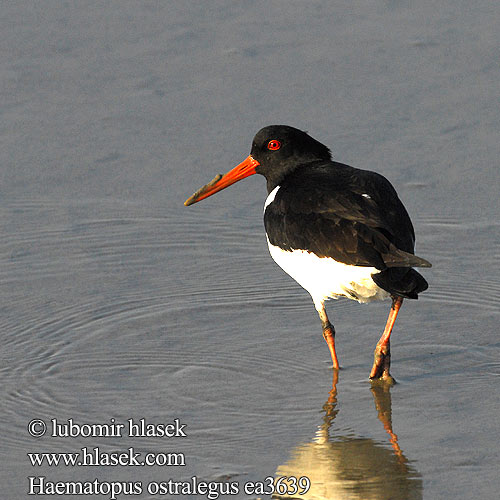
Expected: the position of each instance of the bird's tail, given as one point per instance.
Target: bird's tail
(401, 281)
(399, 258)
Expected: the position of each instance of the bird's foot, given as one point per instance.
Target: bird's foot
(331, 366)
(381, 365)
(385, 379)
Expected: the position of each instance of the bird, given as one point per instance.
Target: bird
(339, 231)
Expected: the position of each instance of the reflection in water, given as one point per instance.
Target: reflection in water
(347, 467)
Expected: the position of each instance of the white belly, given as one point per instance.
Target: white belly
(326, 278)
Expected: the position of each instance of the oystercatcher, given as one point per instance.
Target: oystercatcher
(337, 230)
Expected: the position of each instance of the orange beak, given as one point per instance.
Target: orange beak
(220, 182)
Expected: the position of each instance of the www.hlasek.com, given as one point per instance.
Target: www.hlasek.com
(95, 457)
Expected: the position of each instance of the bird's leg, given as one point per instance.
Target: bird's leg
(328, 333)
(382, 355)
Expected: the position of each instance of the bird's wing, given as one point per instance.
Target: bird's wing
(355, 218)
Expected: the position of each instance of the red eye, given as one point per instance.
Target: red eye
(273, 145)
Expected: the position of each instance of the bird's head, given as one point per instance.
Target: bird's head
(276, 151)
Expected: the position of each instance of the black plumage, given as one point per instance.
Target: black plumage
(338, 230)
(353, 216)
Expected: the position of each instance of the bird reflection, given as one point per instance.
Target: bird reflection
(349, 467)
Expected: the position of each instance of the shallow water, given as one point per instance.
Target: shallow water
(119, 302)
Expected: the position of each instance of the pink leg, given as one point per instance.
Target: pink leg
(382, 356)
(329, 335)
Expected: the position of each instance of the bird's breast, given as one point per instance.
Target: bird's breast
(322, 277)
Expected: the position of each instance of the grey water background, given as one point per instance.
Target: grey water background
(118, 302)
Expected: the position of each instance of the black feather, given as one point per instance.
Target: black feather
(350, 215)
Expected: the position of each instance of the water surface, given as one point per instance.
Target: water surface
(119, 302)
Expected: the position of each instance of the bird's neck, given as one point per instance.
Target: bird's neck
(276, 177)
